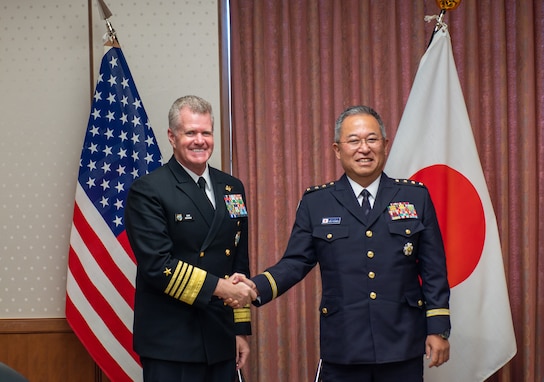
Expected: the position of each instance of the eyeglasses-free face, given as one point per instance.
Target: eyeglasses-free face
(192, 141)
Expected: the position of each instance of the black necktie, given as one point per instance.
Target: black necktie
(365, 205)
(202, 184)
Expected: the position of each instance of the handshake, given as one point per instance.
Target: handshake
(237, 291)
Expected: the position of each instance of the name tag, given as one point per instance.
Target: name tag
(331, 220)
(183, 217)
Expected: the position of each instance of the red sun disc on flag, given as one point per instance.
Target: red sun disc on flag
(460, 216)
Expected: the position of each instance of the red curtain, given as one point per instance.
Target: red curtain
(296, 64)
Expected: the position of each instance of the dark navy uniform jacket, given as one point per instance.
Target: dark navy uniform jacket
(384, 282)
(180, 255)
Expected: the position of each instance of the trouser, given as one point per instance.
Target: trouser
(405, 371)
(156, 370)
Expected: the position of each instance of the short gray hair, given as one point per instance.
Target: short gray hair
(194, 103)
(357, 110)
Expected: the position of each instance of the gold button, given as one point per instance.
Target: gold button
(370, 254)
(373, 295)
(329, 236)
(238, 223)
(419, 303)
(201, 254)
(368, 233)
(371, 275)
(227, 252)
(408, 231)
(324, 310)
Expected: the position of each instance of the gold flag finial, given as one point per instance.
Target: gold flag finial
(444, 5)
(448, 5)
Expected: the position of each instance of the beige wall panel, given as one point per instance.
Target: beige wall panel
(45, 86)
(172, 49)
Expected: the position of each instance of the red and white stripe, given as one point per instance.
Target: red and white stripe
(100, 292)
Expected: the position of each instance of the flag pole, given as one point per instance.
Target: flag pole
(105, 13)
(444, 5)
(439, 25)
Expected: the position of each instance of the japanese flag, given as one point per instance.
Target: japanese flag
(434, 144)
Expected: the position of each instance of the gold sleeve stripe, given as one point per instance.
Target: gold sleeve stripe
(242, 315)
(272, 284)
(182, 281)
(186, 282)
(174, 278)
(195, 284)
(438, 312)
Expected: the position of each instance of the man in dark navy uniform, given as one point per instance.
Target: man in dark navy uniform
(187, 224)
(385, 293)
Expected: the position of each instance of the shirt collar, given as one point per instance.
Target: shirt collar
(372, 188)
(194, 176)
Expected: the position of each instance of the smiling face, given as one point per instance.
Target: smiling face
(361, 149)
(192, 140)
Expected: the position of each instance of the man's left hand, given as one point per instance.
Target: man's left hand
(437, 349)
(242, 351)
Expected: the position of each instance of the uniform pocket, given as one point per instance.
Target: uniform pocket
(414, 298)
(330, 233)
(406, 227)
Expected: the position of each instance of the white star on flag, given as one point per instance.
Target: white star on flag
(101, 265)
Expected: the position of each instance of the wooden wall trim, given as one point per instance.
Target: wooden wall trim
(46, 350)
(34, 325)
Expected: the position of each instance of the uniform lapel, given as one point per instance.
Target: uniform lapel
(190, 188)
(344, 194)
(219, 190)
(386, 192)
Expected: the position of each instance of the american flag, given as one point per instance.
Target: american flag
(119, 147)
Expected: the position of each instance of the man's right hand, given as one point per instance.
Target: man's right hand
(235, 294)
(240, 277)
